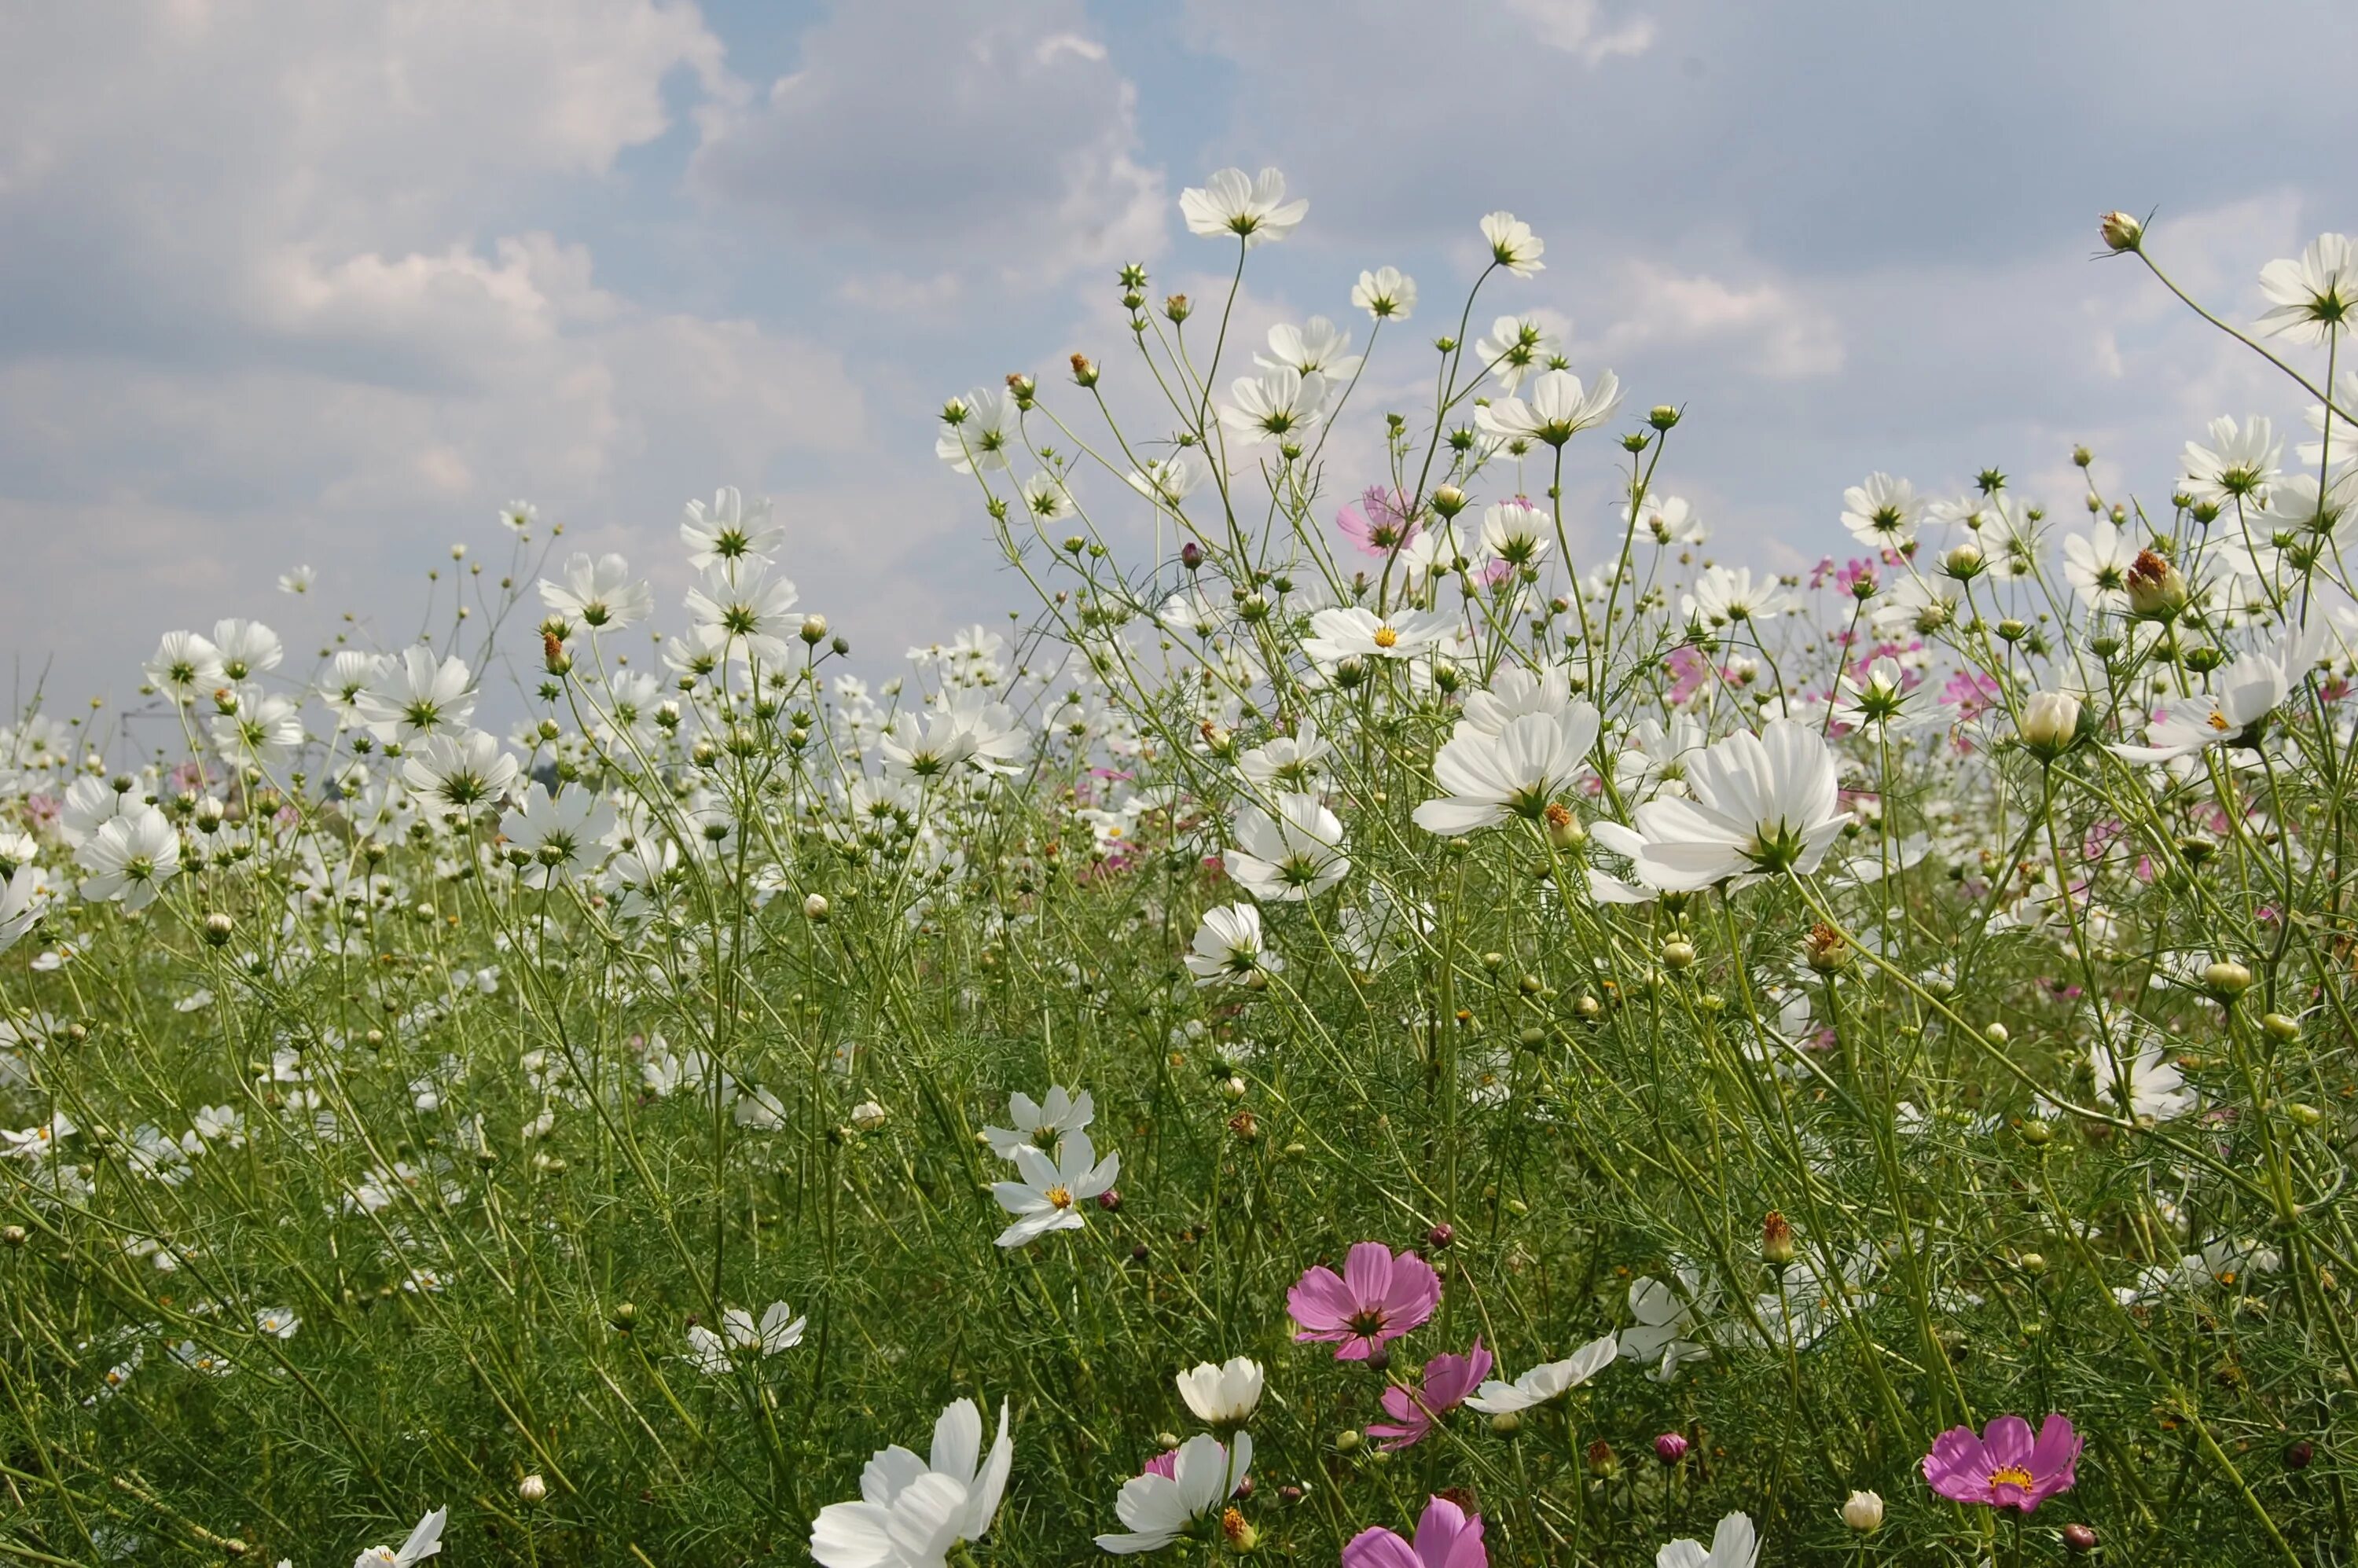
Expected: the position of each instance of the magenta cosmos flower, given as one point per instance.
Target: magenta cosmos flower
(1446, 1537)
(1447, 1380)
(2004, 1469)
(1375, 1300)
(1378, 522)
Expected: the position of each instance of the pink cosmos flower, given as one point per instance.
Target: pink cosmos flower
(1446, 1537)
(1447, 1380)
(2004, 1469)
(1378, 522)
(1375, 1300)
(1690, 673)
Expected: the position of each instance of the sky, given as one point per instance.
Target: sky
(288, 284)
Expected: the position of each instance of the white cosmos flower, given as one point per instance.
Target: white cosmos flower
(1512, 243)
(714, 1354)
(424, 1542)
(1290, 853)
(1040, 1124)
(1051, 1192)
(1320, 348)
(1517, 346)
(1516, 772)
(276, 1323)
(1229, 946)
(1755, 805)
(911, 1513)
(1671, 521)
(1516, 532)
(1540, 1384)
(562, 833)
(1254, 209)
(1160, 1508)
(1882, 513)
(1721, 597)
(2241, 461)
(1387, 294)
(185, 665)
(1274, 405)
(1225, 1395)
(746, 611)
(2314, 296)
(2243, 691)
(600, 593)
(2146, 1084)
(459, 772)
(255, 727)
(1290, 761)
(924, 748)
(417, 694)
(1559, 409)
(2097, 564)
(979, 430)
(1669, 1330)
(731, 529)
(130, 858)
(1352, 632)
(1167, 479)
(247, 648)
(1733, 1545)
(23, 900)
(518, 515)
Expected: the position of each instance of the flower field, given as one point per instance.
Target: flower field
(1383, 1020)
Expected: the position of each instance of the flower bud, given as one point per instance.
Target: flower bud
(1449, 501)
(2226, 979)
(815, 906)
(2119, 232)
(814, 630)
(1506, 1423)
(1862, 1511)
(1670, 1447)
(1662, 417)
(1963, 562)
(2157, 589)
(2078, 1538)
(532, 1489)
(218, 927)
(2051, 723)
(1603, 1463)
(1776, 1239)
(1563, 828)
(868, 1116)
(2296, 1454)
(1678, 953)
(1824, 948)
(1440, 1235)
(1085, 372)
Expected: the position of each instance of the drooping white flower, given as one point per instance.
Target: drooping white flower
(1543, 1383)
(731, 529)
(717, 1353)
(130, 859)
(1229, 946)
(1670, 520)
(1254, 209)
(1559, 409)
(23, 900)
(1289, 761)
(911, 1513)
(1517, 347)
(2146, 1083)
(2311, 297)
(1161, 1505)
(1318, 348)
(1516, 772)
(1755, 804)
(1050, 1195)
(2244, 692)
(1275, 405)
(1223, 1395)
(1288, 851)
(1512, 243)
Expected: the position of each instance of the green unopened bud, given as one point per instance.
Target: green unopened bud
(2226, 979)
(2119, 232)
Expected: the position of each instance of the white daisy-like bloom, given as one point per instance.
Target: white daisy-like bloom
(1882, 513)
(1755, 805)
(980, 430)
(1723, 596)
(926, 747)
(745, 610)
(297, 580)
(1041, 1124)
(1229, 948)
(424, 1542)
(459, 772)
(417, 694)
(129, 859)
(2239, 460)
(1289, 761)
(255, 727)
(563, 834)
(247, 648)
(185, 665)
(276, 1323)
(1166, 480)
(913, 1512)
(1274, 405)
(24, 899)
(1382, 928)
(598, 592)
(1559, 409)
(518, 515)
(1046, 497)
(2336, 442)
(1353, 631)
(1223, 1395)
(1516, 532)
(1915, 603)
(1512, 243)
(1051, 1191)
(1159, 1508)
(1543, 1383)
(731, 529)
(1287, 851)
(2146, 1083)
(349, 674)
(1670, 520)
(1318, 348)
(1517, 347)
(1654, 756)
(1733, 1545)
(2311, 297)
(716, 1354)
(1876, 701)
(1387, 294)
(2243, 691)
(2097, 564)
(1516, 772)
(1255, 210)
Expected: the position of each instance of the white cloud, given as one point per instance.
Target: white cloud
(1573, 27)
(1773, 331)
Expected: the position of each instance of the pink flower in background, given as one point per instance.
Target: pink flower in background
(1690, 673)
(1375, 1298)
(2004, 1467)
(1446, 1537)
(1378, 522)
(1854, 573)
(1970, 694)
(1447, 1380)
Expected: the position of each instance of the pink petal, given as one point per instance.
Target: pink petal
(1320, 1303)
(1379, 1548)
(2005, 1441)
(1368, 1273)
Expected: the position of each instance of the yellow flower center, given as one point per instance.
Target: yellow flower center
(2009, 1476)
(1386, 637)
(1061, 1196)
(2219, 721)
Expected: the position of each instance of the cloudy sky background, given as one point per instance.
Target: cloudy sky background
(287, 283)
